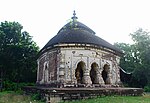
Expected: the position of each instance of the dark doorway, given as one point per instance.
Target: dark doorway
(105, 74)
(93, 73)
(79, 72)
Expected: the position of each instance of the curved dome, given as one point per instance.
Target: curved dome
(77, 32)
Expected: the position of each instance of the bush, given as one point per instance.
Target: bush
(147, 88)
(13, 86)
(38, 96)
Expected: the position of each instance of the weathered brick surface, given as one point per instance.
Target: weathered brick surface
(47, 67)
(53, 66)
(58, 67)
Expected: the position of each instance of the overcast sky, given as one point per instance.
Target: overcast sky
(112, 20)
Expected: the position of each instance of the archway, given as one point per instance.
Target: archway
(105, 74)
(79, 72)
(93, 73)
(45, 73)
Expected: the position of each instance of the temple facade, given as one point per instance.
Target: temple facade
(77, 57)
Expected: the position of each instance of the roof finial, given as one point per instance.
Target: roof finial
(74, 16)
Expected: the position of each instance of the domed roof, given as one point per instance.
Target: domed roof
(78, 33)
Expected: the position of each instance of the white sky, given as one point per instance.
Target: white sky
(112, 20)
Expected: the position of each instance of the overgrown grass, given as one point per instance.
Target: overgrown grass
(13, 86)
(13, 97)
(115, 99)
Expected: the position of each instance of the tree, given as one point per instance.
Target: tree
(142, 43)
(17, 53)
(127, 62)
(136, 58)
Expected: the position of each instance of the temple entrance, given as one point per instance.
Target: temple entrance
(105, 74)
(79, 72)
(93, 73)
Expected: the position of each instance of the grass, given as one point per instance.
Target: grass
(116, 99)
(12, 97)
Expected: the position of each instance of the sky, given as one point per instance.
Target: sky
(112, 20)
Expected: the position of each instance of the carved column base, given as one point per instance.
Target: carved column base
(86, 79)
(100, 80)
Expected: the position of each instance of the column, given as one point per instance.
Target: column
(108, 80)
(100, 78)
(86, 76)
(38, 76)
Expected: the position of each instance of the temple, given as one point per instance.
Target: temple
(76, 57)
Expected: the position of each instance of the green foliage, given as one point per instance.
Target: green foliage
(115, 99)
(13, 86)
(147, 88)
(128, 61)
(137, 58)
(17, 53)
(13, 97)
(37, 96)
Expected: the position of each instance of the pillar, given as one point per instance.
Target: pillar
(86, 76)
(99, 78)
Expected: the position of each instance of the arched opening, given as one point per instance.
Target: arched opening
(79, 72)
(93, 73)
(105, 74)
(45, 73)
